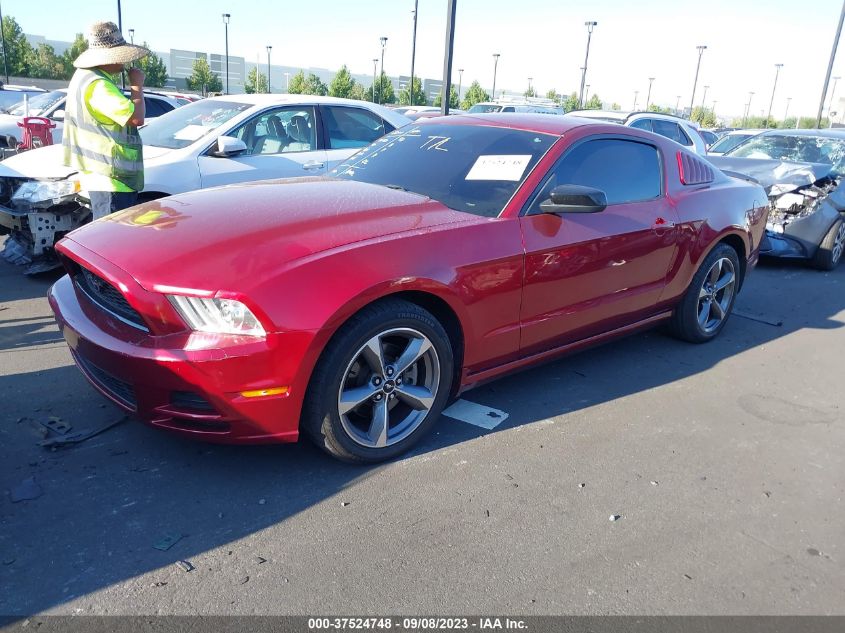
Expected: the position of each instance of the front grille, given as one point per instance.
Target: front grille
(116, 388)
(188, 400)
(107, 297)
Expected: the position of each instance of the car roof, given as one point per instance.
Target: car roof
(531, 122)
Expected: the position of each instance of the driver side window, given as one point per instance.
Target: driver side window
(627, 171)
(279, 131)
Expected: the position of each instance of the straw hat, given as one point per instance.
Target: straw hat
(107, 46)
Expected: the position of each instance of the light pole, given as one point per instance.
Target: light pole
(590, 26)
(747, 108)
(375, 65)
(785, 112)
(772, 100)
(636, 94)
(3, 35)
(704, 98)
(648, 98)
(586, 93)
(269, 48)
(832, 93)
(830, 65)
(413, 51)
(677, 104)
(287, 82)
(131, 36)
(226, 17)
(460, 84)
(701, 50)
(714, 109)
(495, 68)
(383, 41)
(529, 86)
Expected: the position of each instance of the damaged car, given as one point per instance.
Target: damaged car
(212, 142)
(802, 172)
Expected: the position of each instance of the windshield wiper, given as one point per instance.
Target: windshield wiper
(397, 187)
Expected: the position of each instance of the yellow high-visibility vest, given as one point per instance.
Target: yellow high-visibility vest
(93, 146)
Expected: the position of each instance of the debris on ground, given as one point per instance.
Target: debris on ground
(654, 483)
(581, 485)
(167, 541)
(244, 580)
(158, 584)
(687, 576)
(261, 502)
(80, 436)
(343, 504)
(57, 425)
(259, 560)
(27, 490)
(615, 517)
(184, 565)
(8, 561)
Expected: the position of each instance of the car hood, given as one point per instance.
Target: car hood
(776, 176)
(43, 163)
(230, 237)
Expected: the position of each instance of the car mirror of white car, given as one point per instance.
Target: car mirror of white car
(229, 146)
(58, 115)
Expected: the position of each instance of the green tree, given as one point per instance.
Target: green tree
(660, 110)
(18, 51)
(594, 103)
(474, 94)
(703, 116)
(314, 86)
(615, 106)
(155, 70)
(79, 46)
(255, 82)
(530, 92)
(419, 95)
(361, 93)
(43, 63)
(384, 90)
(571, 103)
(453, 98)
(297, 84)
(553, 95)
(202, 79)
(343, 84)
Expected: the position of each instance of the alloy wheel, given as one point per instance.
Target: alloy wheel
(716, 295)
(389, 387)
(838, 244)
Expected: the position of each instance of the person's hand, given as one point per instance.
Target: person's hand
(136, 77)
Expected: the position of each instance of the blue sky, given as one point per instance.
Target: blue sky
(542, 39)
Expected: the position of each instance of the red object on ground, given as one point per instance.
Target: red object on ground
(36, 132)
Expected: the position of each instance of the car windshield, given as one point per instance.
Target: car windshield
(481, 108)
(808, 149)
(186, 125)
(471, 168)
(728, 142)
(38, 105)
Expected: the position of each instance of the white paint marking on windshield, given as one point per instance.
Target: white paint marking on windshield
(499, 167)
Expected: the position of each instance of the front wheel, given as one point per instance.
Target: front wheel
(709, 300)
(830, 250)
(380, 384)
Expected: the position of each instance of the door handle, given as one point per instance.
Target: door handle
(313, 165)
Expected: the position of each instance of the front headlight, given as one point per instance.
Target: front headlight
(222, 316)
(38, 192)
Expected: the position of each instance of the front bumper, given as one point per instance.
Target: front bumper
(800, 239)
(185, 383)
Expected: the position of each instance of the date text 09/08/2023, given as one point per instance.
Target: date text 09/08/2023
(415, 623)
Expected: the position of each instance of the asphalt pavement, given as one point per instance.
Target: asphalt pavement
(724, 463)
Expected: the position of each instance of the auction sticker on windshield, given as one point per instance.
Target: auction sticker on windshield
(501, 167)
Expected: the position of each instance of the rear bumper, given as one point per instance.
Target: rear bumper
(187, 384)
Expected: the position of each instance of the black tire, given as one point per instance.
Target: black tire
(830, 250)
(392, 326)
(697, 317)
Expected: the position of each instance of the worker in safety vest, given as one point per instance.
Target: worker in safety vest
(101, 124)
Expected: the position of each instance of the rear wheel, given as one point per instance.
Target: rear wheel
(708, 302)
(830, 250)
(381, 383)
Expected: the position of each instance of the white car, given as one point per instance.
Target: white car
(730, 140)
(679, 130)
(212, 142)
(51, 105)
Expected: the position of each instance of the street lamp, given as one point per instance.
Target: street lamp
(747, 108)
(3, 37)
(226, 17)
(677, 104)
(636, 94)
(269, 48)
(495, 68)
(413, 51)
(375, 64)
(772, 100)
(460, 84)
(648, 98)
(590, 26)
(287, 82)
(701, 50)
(131, 36)
(830, 65)
(832, 92)
(586, 93)
(529, 85)
(785, 112)
(704, 98)
(383, 41)
(714, 108)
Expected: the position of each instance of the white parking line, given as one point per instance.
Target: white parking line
(476, 414)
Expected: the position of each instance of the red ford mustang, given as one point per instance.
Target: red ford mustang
(445, 254)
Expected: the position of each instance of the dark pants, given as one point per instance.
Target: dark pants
(105, 202)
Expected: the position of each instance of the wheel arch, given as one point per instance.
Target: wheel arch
(737, 243)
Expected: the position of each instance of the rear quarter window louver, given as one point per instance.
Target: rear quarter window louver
(694, 171)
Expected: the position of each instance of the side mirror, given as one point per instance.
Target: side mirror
(58, 115)
(229, 146)
(574, 199)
